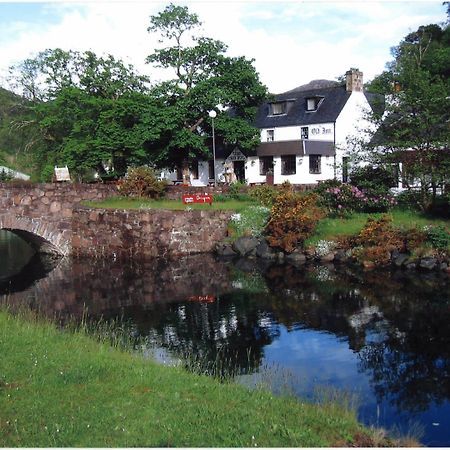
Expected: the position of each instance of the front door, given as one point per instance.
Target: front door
(239, 170)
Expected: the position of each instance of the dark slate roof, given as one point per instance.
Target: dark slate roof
(299, 147)
(334, 99)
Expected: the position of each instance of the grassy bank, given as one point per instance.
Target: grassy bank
(61, 388)
(331, 228)
(176, 205)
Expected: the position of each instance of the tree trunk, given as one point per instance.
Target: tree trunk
(185, 172)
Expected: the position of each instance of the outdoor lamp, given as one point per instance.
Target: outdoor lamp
(213, 115)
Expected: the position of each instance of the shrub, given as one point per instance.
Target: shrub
(342, 199)
(293, 219)
(438, 236)
(141, 182)
(378, 239)
(264, 194)
(251, 221)
(373, 178)
(409, 199)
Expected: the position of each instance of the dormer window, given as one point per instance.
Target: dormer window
(277, 109)
(312, 103)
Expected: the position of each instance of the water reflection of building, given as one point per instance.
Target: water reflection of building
(397, 324)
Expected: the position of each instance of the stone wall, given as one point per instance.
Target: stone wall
(43, 212)
(144, 234)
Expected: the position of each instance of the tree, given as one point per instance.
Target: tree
(414, 128)
(89, 111)
(204, 78)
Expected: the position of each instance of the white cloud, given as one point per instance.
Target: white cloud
(291, 42)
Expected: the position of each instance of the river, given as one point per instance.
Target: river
(379, 338)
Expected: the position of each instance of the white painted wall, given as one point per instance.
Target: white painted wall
(317, 132)
(352, 123)
(302, 175)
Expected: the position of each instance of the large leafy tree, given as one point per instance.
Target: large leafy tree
(415, 127)
(89, 111)
(204, 77)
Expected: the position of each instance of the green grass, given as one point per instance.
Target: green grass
(177, 205)
(331, 228)
(66, 389)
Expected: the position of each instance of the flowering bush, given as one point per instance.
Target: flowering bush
(324, 247)
(378, 239)
(251, 221)
(293, 219)
(341, 199)
(264, 194)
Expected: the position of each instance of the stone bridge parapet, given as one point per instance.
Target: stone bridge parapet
(42, 213)
(52, 219)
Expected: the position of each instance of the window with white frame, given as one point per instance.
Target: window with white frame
(270, 134)
(312, 103)
(278, 108)
(315, 164)
(288, 166)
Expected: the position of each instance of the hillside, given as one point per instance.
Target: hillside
(12, 140)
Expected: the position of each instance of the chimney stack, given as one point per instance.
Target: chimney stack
(354, 80)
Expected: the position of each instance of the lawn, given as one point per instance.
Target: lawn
(178, 205)
(331, 228)
(62, 388)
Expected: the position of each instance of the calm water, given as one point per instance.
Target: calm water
(384, 336)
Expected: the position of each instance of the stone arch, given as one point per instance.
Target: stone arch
(42, 237)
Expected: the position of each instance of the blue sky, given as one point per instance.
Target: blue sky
(292, 42)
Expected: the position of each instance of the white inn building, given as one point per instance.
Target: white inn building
(304, 135)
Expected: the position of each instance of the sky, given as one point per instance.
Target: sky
(291, 42)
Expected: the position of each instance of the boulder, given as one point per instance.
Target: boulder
(400, 259)
(245, 245)
(428, 263)
(264, 251)
(341, 255)
(296, 257)
(327, 258)
(223, 249)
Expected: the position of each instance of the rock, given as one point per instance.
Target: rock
(327, 258)
(368, 264)
(428, 263)
(341, 255)
(296, 257)
(281, 256)
(225, 250)
(410, 265)
(263, 250)
(400, 259)
(245, 245)
(443, 266)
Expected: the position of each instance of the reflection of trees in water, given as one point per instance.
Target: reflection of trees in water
(411, 363)
(397, 323)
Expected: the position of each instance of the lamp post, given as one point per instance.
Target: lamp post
(213, 114)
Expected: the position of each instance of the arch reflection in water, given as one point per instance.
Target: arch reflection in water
(385, 335)
(15, 253)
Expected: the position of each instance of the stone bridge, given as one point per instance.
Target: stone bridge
(41, 214)
(52, 219)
